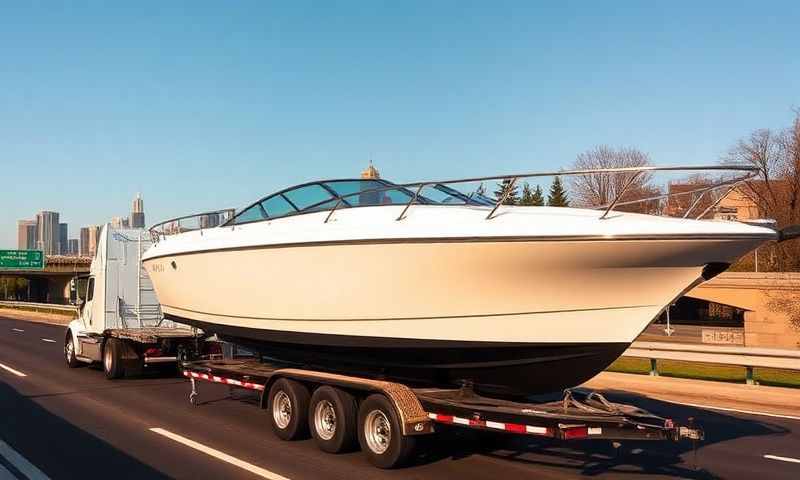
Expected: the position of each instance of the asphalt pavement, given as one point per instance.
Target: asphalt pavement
(57, 423)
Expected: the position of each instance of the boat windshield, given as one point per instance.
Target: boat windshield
(319, 196)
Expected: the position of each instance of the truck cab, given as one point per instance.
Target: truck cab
(119, 320)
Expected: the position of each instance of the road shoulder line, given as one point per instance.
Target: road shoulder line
(261, 472)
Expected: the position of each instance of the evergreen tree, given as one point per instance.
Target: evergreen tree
(527, 195)
(505, 186)
(537, 198)
(557, 196)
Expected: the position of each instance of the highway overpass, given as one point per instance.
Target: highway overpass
(50, 285)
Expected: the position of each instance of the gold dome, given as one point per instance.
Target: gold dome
(370, 172)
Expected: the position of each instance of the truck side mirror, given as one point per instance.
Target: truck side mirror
(73, 292)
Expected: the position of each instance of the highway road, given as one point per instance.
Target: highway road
(57, 422)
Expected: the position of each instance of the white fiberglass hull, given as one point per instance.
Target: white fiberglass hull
(519, 314)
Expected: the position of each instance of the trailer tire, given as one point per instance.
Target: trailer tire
(332, 417)
(287, 406)
(112, 359)
(380, 434)
(69, 351)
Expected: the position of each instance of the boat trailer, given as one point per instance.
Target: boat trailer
(577, 415)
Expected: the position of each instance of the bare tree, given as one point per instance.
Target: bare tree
(596, 189)
(776, 191)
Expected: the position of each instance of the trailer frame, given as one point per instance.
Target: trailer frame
(578, 414)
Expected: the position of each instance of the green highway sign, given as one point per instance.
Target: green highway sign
(21, 260)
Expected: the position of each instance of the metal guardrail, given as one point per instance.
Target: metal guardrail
(52, 307)
(747, 357)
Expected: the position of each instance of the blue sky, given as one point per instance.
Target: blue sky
(203, 105)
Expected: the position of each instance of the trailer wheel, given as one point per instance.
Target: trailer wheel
(69, 351)
(112, 361)
(332, 417)
(380, 434)
(287, 405)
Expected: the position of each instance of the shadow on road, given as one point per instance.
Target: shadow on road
(59, 448)
(599, 457)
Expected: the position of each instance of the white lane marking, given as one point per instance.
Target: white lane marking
(18, 330)
(261, 472)
(736, 410)
(21, 463)
(15, 372)
(782, 459)
(48, 340)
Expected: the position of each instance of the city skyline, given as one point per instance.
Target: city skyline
(222, 113)
(48, 234)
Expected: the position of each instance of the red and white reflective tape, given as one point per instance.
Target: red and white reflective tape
(506, 427)
(223, 380)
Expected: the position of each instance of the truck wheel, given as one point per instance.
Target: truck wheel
(112, 363)
(69, 351)
(332, 419)
(380, 434)
(287, 406)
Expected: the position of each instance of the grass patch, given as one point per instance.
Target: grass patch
(639, 366)
(707, 371)
(777, 378)
(36, 309)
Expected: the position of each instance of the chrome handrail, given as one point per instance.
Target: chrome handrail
(750, 172)
(156, 235)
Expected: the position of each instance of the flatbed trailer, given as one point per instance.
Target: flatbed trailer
(129, 351)
(385, 417)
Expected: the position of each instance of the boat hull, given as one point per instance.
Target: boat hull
(513, 317)
(504, 368)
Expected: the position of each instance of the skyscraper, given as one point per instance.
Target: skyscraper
(26, 234)
(63, 239)
(85, 241)
(137, 212)
(73, 247)
(94, 237)
(119, 222)
(47, 232)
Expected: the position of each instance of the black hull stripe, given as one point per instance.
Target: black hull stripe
(511, 368)
(499, 239)
(336, 340)
(445, 317)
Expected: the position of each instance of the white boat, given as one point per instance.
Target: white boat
(364, 275)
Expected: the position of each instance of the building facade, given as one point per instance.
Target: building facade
(47, 232)
(73, 248)
(94, 237)
(119, 222)
(63, 239)
(137, 212)
(26, 234)
(84, 241)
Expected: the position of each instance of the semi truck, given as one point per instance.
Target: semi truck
(120, 325)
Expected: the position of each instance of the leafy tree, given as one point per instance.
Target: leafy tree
(537, 199)
(558, 196)
(505, 186)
